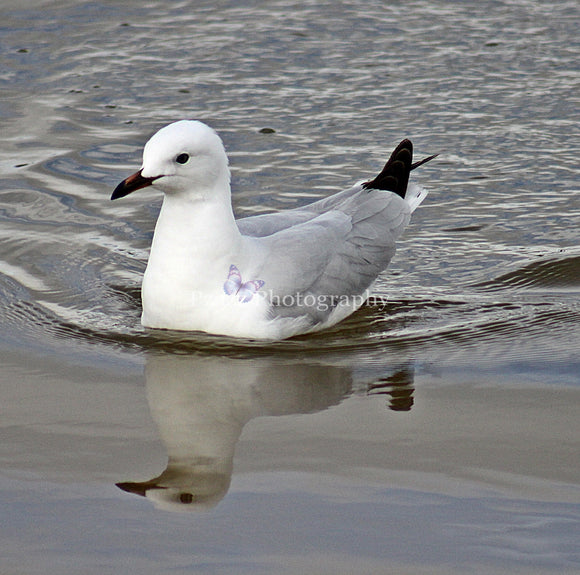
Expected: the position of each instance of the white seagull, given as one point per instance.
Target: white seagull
(265, 277)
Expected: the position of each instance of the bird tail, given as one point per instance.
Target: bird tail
(415, 195)
(394, 177)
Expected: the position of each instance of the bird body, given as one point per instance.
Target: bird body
(265, 277)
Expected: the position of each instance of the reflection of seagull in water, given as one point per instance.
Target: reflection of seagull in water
(269, 276)
(201, 404)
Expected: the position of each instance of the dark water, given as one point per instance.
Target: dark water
(435, 431)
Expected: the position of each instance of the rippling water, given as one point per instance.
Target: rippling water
(486, 279)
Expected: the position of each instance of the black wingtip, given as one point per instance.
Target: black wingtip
(395, 175)
(423, 161)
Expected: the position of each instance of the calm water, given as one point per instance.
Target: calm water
(436, 432)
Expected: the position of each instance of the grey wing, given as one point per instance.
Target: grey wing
(268, 224)
(336, 253)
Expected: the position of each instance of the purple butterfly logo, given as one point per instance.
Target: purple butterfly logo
(244, 290)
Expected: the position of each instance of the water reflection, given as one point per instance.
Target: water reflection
(398, 387)
(201, 404)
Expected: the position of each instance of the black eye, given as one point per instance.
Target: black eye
(186, 498)
(182, 158)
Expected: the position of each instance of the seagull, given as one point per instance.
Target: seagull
(264, 277)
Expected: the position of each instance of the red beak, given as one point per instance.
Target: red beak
(131, 184)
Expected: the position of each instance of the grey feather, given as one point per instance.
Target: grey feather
(332, 248)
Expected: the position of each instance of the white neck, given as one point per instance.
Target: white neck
(194, 244)
(193, 229)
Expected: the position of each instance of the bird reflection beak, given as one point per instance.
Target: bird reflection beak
(139, 488)
(131, 184)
